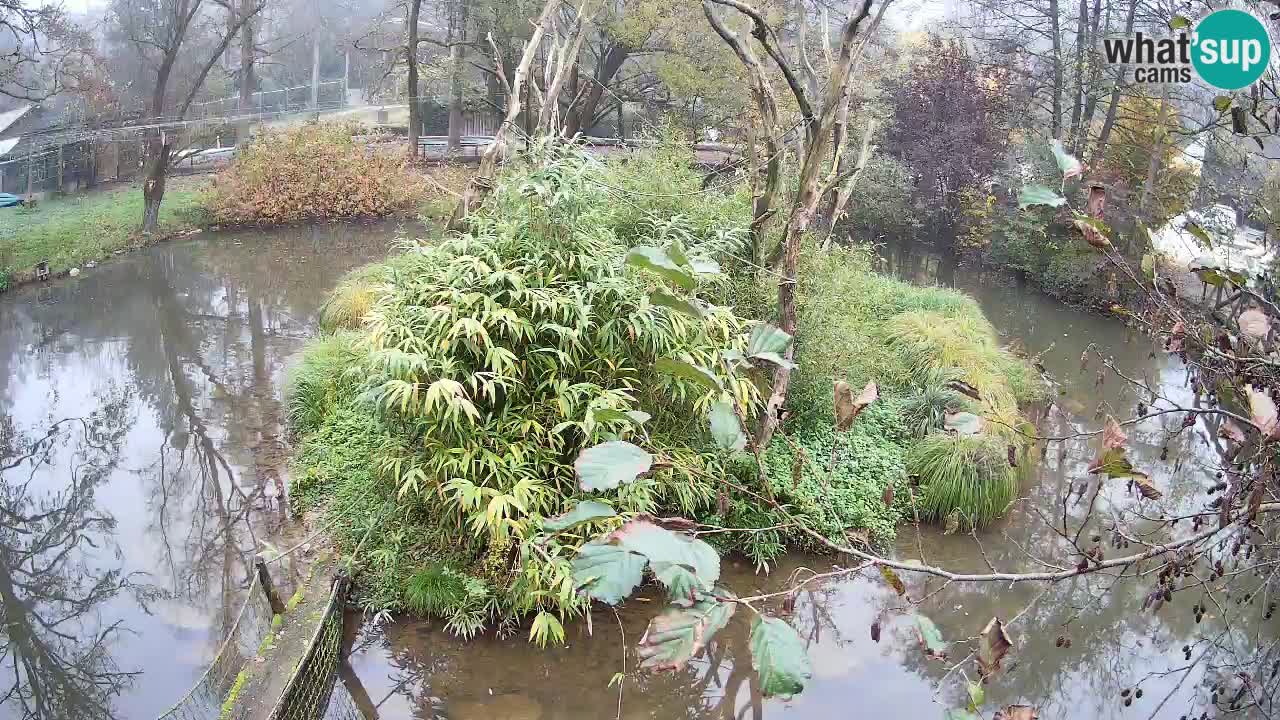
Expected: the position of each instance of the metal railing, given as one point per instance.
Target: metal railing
(332, 94)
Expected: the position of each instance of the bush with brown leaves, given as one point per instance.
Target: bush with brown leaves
(315, 172)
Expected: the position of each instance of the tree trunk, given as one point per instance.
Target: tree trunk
(1113, 107)
(585, 115)
(482, 182)
(248, 79)
(315, 70)
(411, 60)
(1055, 30)
(1077, 99)
(153, 186)
(1095, 76)
(457, 35)
(1157, 151)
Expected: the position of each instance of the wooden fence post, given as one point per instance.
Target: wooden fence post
(264, 578)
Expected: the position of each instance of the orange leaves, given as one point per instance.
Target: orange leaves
(1112, 461)
(314, 173)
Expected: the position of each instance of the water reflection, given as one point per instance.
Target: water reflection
(1109, 641)
(142, 456)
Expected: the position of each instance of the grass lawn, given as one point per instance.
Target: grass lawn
(71, 230)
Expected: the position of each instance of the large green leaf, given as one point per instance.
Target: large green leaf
(1039, 195)
(1067, 163)
(608, 465)
(704, 266)
(606, 571)
(959, 714)
(962, 423)
(664, 547)
(766, 338)
(778, 655)
(726, 429)
(677, 635)
(656, 260)
(1199, 233)
(1222, 103)
(688, 371)
(930, 637)
(585, 511)
(770, 344)
(681, 581)
(688, 306)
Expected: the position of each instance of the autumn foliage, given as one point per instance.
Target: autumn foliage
(314, 172)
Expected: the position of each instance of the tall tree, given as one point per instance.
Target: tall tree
(181, 41)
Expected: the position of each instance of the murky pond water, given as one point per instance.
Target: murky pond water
(141, 459)
(1109, 642)
(141, 448)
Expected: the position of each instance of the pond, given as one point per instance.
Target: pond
(1080, 642)
(142, 455)
(142, 458)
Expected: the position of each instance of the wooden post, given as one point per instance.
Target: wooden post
(60, 165)
(264, 579)
(315, 72)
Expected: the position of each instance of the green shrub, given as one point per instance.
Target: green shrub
(486, 362)
(966, 475)
(465, 603)
(313, 172)
(834, 501)
(881, 201)
(843, 333)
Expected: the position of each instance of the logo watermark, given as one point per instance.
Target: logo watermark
(1228, 49)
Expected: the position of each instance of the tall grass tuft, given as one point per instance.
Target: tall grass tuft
(967, 475)
(320, 380)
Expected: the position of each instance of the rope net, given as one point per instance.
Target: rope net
(307, 695)
(204, 700)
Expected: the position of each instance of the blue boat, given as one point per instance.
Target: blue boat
(7, 200)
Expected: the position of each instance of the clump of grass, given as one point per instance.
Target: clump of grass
(71, 230)
(320, 379)
(968, 475)
(352, 299)
(929, 340)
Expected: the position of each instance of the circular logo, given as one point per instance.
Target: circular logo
(1231, 49)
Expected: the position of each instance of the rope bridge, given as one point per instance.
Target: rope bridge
(306, 696)
(204, 700)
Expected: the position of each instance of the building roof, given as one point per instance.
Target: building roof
(12, 116)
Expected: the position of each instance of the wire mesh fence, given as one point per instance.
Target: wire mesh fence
(204, 700)
(307, 694)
